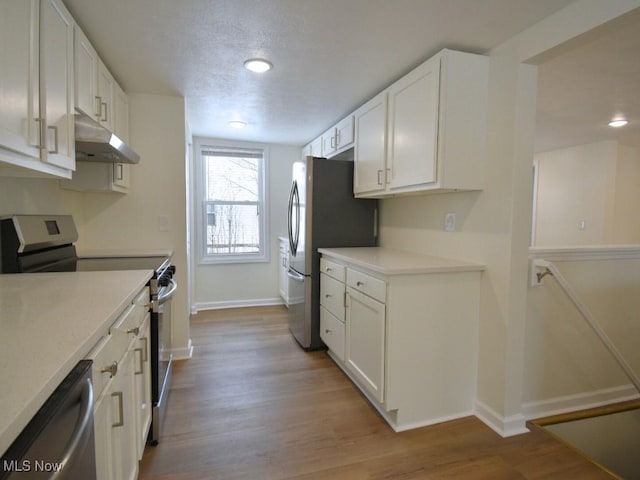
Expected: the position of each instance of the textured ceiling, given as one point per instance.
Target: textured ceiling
(329, 56)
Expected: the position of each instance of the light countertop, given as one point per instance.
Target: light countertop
(49, 322)
(397, 262)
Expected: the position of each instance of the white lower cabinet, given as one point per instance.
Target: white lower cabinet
(122, 388)
(365, 320)
(409, 341)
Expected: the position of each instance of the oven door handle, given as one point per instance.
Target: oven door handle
(166, 296)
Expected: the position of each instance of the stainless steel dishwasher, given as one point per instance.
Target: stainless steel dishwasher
(58, 442)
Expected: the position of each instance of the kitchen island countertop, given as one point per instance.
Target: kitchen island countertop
(388, 261)
(49, 322)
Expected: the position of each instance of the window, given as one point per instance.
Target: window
(233, 212)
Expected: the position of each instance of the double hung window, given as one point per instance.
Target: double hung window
(234, 210)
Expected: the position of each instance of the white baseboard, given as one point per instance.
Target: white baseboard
(183, 353)
(503, 426)
(258, 302)
(581, 401)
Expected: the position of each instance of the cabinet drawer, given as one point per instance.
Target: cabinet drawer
(103, 356)
(332, 269)
(332, 295)
(332, 332)
(371, 286)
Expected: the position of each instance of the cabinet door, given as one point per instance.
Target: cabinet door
(142, 381)
(102, 421)
(19, 74)
(123, 434)
(413, 127)
(328, 142)
(106, 96)
(344, 133)
(56, 84)
(365, 350)
(86, 75)
(370, 145)
(316, 147)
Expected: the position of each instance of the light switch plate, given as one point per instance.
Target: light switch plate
(450, 222)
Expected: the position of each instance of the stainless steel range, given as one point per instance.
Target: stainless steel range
(46, 243)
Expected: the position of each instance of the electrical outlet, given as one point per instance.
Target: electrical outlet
(450, 222)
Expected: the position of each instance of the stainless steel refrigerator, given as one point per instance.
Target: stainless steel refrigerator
(322, 212)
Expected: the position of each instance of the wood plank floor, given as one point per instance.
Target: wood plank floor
(251, 404)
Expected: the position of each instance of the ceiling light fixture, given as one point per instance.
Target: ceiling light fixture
(620, 122)
(258, 65)
(237, 124)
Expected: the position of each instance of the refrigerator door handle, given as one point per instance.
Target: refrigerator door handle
(294, 203)
(290, 218)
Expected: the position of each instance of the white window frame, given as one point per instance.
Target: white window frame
(201, 201)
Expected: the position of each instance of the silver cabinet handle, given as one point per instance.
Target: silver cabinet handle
(119, 171)
(120, 396)
(327, 295)
(328, 331)
(136, 372)
(388, 176)
(329, 269)
(55, 138)
(359, 283)
(379, 177)
(135, 330)
(84, 428)
(112, 369)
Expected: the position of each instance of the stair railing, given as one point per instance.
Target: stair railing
(542, 268)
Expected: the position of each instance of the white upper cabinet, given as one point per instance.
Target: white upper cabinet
(370, 145)
(86, 75)
(19, 78)
(99, 96)
(36, 86)
(56, 85)
(338, 138)
(427, 131)
(95, 86)
(106, 97)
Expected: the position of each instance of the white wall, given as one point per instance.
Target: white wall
(595, 185)
(219, 285)
(37, 195)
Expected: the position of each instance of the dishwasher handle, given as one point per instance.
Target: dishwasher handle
(82, 430)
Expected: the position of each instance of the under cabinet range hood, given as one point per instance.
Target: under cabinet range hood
(94, 143)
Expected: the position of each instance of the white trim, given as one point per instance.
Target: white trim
(258, 302)
(587, 252)
(503, 426)
(580, 401)
(183, 353)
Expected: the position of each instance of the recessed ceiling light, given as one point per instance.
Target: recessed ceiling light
(258, 65)
(237, 124)
(620, 122)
